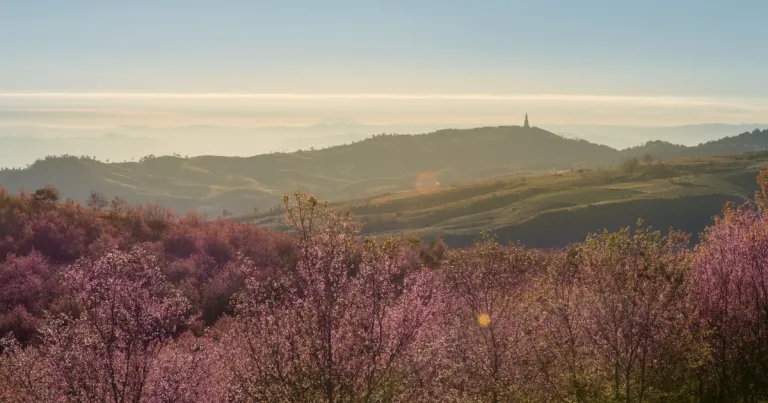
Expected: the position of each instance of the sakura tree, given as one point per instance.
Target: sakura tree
(731, 293)
(339, 327)
(128, 314)
(560, 343)
(487, 323)
(629, 313)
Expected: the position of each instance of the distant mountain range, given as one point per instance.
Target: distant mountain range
(20, 151)
(376, 165)
(749, 141)
(621, 137)
(184, 140)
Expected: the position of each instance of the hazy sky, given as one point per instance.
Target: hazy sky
(165, 62)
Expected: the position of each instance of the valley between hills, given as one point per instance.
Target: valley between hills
(554, 209)
(525, 184)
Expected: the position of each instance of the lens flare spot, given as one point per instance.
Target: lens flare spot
(426, 180)
(484, 319)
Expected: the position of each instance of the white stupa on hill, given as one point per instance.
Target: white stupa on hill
(526, 125)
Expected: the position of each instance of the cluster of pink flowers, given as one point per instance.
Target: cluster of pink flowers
(138, 306)
(40, 237)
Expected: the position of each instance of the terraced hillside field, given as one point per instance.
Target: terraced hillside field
(555, 208)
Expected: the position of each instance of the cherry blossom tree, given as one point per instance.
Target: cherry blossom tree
(128, 314)
(731, 293)
(334, 329)
(486, 322)
(629, 313)
(187, 370)
(560, 344)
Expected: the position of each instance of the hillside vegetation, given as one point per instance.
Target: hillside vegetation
(384, 163)
(755, 140)
(555, 208)
(137, 304)
(378, 165)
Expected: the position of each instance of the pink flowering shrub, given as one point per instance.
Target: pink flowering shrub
(128, 315)
(628, 318)
(486, 322)
(39, 237)
(117, 303)
(730, 281)
(334, 329)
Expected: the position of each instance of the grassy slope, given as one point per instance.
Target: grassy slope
(553, 209)
(753, 141)
(392, 164)
(373, 166)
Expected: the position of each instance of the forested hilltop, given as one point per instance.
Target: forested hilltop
(113, 302)
(755, 140)
(376, 165)
(381, 164)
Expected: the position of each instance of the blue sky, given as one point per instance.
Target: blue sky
(690, 50)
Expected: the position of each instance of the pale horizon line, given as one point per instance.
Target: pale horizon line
(438, 125)
(744, 103)
(366, 95)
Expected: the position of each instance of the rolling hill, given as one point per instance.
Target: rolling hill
(553, 209)
(621, 137)
(383, 163)
(20, 150)
(391, 164)
(755, 140)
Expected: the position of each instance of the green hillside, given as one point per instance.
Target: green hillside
(755, 140)
(388, 164)
(554, 209)
(384, 163)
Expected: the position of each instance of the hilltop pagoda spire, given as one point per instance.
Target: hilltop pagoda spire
(526, 125)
